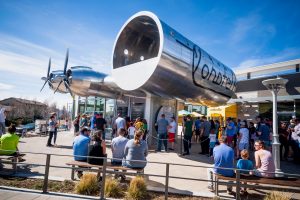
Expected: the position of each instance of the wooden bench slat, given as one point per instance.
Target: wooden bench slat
(85, 164)
(273, 181)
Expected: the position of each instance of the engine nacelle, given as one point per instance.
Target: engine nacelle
(151, 56)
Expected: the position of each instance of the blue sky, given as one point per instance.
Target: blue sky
(238, 33)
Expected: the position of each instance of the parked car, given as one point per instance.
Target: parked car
(22, 129)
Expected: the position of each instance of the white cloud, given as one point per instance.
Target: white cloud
(251, 26)
(268, 59)
(4, 86)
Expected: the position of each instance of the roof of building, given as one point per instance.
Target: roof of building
(24, 101)
(279, 68)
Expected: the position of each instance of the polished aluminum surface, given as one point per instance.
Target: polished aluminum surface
(149, 55)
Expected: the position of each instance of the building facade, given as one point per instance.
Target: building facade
(28, 110)
(253, 98)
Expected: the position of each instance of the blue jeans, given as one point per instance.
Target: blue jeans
(162, 138)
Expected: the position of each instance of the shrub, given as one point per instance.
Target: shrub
(113, 189)
(88, 185)
(277, 196)
(137, 188)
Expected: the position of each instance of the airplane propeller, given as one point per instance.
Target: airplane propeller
(46, 79)
(65, 79)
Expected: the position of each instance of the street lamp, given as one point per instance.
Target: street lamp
(274, 85)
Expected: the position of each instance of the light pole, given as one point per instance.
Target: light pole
(274, 85)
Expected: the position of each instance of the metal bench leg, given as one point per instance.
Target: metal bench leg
(216, 186)
(14, 164)
(72, 172)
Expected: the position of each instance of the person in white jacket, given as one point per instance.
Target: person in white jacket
(3, 113)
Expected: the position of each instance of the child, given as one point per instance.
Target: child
(245, 164)
(212, 142)
(131, 130)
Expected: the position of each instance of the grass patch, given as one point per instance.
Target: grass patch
(275, 195)
(137, 189)
(88, 185)
(113, 188)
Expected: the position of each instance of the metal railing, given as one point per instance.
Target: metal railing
(167, 176)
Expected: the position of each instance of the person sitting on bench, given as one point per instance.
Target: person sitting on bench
(80, 146)
(223, 157)
(264, 162)
(98, 149)
(9, 143)
(117, 147)
(136, 150)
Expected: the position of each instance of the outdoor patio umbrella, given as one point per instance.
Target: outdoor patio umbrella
(183, 112)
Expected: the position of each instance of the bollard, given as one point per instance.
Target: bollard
(45, 186)
(167, 181)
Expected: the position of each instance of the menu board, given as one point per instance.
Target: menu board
(137, 110)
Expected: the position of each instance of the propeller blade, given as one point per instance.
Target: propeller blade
(66, 62)
(49, 66)
(68, 88)
(44, 85)
(58, 85)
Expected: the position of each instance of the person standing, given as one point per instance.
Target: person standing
(3, 113)
(162, 130)
(197, 127)
(295, 141)
(230, 132)
(51, 129)
(76, 125)
(145, 128)
(263, 132)
(100, 124)
(131, 131)
(120, 122)
(83, 121)
(188, 133)
(243, 138)
(284, 141)
(55, 128)
(204, 136)
(172, 132)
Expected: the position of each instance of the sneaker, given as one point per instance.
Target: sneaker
(184, 154)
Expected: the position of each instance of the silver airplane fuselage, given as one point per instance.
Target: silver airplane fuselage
(151, 56)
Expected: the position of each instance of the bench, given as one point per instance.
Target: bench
(13, 160)
(108, 166)
(282, 181)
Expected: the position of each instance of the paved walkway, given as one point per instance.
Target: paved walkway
(65, 139)
(7, 193)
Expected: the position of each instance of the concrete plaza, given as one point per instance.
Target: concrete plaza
(65, 139)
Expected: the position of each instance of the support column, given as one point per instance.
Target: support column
(149, 116)
(276, 143)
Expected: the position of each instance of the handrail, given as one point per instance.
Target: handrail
(154, 162)
(166, 176)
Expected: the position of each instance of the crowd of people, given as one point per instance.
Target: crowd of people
(241, 135)
(239, 139)
(129, 147)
